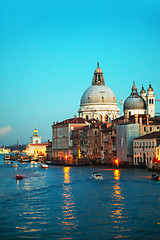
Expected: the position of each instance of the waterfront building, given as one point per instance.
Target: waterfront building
(36, 148)
(146, 149)
(99, 101)
(87, 143)
(49, 151)
(62, 143)
(118, 138)
(4, 150)
(140, 104)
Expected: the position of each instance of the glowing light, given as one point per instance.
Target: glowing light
(117, 174)
(116, 161)
(66, 174)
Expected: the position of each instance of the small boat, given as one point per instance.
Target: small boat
(44, 165)
(155, 176)
(7, 157)
(97, 175)
(15, 165)
(19, 177)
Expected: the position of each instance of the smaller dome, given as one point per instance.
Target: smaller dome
(98, 69)
(134, 102)
(150, 88)
(142, 90)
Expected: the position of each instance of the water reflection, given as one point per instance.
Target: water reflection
(69, 221)
(118, 215)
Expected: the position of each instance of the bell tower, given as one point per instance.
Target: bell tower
(35, 138)
(150, 101)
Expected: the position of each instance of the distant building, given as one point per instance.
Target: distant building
(36, 148)
(99, 101)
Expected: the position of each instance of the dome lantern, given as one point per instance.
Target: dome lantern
(98, 78)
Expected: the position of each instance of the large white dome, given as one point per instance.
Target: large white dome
(97, 94)
(98, 101)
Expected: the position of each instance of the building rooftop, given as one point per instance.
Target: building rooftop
(150, 135)
(75, 120)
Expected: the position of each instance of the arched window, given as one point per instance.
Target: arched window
(86, 117)
(102, 99)
(106, 118)
(89, 99)
(150, 101)
(100, 118)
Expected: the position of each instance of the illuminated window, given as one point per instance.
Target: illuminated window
(106, 118)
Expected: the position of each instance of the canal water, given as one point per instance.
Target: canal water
(65, 203)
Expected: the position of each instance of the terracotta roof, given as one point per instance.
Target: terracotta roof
(150, 135)
(75, 120)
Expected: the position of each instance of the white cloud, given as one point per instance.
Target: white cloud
(5, 130)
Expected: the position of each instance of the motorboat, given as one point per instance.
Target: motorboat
(8, 162)
(19, 177)
(43, 165)
(155, 176)
(97, 175)
(15, 165)
(7, 157)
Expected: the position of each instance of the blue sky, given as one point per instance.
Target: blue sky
(49, 51)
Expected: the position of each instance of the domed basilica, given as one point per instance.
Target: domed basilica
(99, 101)
(140, 104)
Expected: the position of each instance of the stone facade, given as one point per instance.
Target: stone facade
(62, 143)
(146, 148)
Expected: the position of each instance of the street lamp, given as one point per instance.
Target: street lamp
(116, 162)
(66, 158)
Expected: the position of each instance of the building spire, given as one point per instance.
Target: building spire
(134, 89)
(97, 64)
